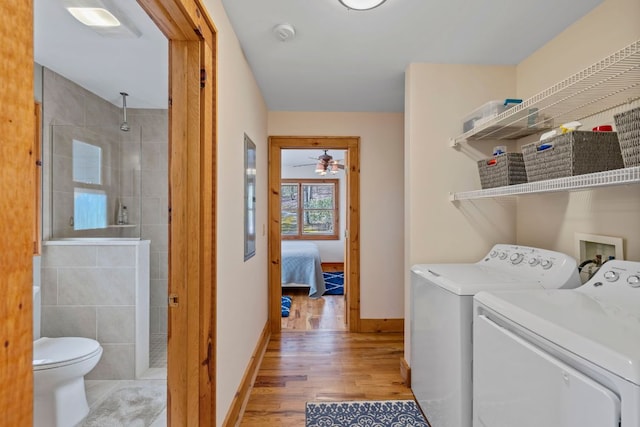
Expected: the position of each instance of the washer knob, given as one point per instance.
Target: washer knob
(534, 261)
(516, 258)
(634, 281)
(546, 264)
(493, 254)
(503, 255)
(611, 276)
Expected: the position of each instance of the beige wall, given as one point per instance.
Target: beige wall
(242, 286)
(437, 97)
(381, 199)
(550, 221)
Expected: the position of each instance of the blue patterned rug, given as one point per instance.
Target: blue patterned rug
(285, 307)
(334, 283)
(396, 413)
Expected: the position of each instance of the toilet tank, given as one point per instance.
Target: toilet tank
(36, 312)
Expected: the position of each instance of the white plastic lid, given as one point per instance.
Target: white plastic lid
(60, 351)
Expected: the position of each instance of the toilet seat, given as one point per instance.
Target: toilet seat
(50, 353)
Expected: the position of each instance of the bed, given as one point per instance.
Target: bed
(301, 266)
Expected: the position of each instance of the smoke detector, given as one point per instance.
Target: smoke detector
(284, 32)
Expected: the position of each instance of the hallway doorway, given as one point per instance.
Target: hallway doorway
(349, 304)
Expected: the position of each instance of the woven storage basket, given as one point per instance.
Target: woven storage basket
(503, 169)
(628, 127)
(573, 153)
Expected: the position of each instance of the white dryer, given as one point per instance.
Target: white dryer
(561, 358)
(442, 316)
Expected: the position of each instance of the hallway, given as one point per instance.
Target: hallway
(300, 367)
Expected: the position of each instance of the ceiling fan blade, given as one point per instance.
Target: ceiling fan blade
(307, 164)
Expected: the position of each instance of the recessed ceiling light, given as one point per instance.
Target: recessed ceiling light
(361, 4)
(104, 17)
(94, 16)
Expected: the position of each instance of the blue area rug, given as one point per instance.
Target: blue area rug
(396, 413)
(286, 305)
(334, 283)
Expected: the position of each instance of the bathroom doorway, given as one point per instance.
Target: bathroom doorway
(192, 279)
(111, 133)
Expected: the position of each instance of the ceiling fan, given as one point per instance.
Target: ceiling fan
(325, 164)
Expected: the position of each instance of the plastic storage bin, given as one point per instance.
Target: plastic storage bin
(503, 169)
(628, 127)
(573, 153)
(483, 114)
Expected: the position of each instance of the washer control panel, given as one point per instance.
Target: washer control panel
(551, 269)
(533, 257)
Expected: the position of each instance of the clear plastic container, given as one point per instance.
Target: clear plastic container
(484, 113)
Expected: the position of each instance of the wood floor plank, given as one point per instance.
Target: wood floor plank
(311, 366)
(306, 314)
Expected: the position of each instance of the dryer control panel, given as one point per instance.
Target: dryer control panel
(613, 277)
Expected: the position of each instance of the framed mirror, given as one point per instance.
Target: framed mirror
(249, 198)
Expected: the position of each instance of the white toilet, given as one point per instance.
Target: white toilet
(59, 367)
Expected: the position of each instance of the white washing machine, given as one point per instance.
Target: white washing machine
(561, 358)
(442, 316)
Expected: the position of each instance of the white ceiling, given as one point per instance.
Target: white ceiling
(103, 65)
(339, 60)
(345, 60)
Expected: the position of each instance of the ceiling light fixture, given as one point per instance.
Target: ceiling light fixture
(327, 164)
(361, 4)
(103, 17)
(94, 16)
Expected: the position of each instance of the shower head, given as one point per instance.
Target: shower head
(124, 126)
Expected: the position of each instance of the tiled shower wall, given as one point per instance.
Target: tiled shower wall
(91, 290)
(154, 164)
(73, 110)
(66, 103)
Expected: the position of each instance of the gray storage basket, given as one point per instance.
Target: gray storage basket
(628, 127)
(508, 169)
(573, 153)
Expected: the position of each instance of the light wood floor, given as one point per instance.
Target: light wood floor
(325, 313)
(300, 367)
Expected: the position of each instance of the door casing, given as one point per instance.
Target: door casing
(351, 144)
(192, 141)
(191, 361)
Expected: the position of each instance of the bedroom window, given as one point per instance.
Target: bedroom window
(309, 209)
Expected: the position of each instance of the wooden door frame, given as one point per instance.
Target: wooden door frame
(17, 213)
(351, 144)
(192, 140)
(191, 375)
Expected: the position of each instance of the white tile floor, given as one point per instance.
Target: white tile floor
(158, 351)
(99, 390)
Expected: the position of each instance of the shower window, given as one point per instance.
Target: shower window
(94, 174)
(89, 205)
(89, 209)
(87, 163)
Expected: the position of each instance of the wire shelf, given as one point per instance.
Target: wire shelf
(609, 83)
(578, 182)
